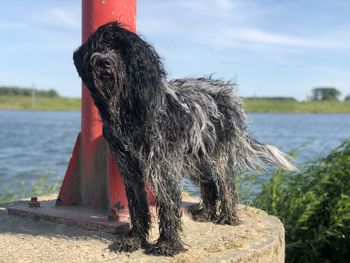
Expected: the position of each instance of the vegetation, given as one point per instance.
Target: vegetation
(27, 92)
(33, 99)
(325, 93)
(39, 103)
(250, 104)
(266, 105)
(323, 99)
(314, 205)
(270, 98)
(45, 184)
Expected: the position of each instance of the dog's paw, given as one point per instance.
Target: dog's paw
(203, 215)
(126, 244)
(227, 220)
(165, 248)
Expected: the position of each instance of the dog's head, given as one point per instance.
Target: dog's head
(98, 62)
(115, 62)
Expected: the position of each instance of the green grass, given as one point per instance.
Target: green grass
(262, 105)
(41, 103)
(44, 184)
(259, 105)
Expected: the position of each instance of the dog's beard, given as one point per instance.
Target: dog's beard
(106, 72)
(103, 73)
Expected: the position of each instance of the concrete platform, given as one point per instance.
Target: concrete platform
(259, 238)
(70, 215)
(77, 216)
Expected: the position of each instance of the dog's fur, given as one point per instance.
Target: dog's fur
(160, 131)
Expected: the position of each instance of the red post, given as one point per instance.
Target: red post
(92, 179)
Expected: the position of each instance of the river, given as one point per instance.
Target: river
(33, 143)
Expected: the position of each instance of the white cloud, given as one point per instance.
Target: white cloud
(64, 18)
(224, 4)
(250, 37)
(227, 23)
(58, 17)
(258, 36)
(11, 25)
(333, 70)
(154, 26)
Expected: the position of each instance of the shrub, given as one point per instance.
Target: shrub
(314, 205)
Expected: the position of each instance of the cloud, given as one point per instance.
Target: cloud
(57, 17)
(64, 18)
(11, 25)
(228, 24)
(332, 70)
(155, 26)
(224, 4)
(253, 35)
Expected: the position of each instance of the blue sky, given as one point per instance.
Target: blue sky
(270, 47)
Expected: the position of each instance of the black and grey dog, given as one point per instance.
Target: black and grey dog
(161, 131)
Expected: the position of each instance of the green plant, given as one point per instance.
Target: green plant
(314, 205)
(43, 185)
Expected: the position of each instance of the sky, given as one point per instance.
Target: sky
(269, 47)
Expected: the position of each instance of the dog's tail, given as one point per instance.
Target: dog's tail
(255, 154)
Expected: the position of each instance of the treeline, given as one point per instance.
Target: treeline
(27, 92)
(317, 94)
(270, 98)
(326, 93)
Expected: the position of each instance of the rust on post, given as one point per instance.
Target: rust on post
(113, 214)
(34, 202)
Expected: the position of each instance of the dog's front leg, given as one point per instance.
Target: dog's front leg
(169, 212)
(140, 217)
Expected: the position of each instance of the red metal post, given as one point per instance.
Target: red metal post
(93, 190)
(92, 179)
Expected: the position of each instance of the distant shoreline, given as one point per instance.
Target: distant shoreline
(250, 105)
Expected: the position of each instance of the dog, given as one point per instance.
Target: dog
(162, 131)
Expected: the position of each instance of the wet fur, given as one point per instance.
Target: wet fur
(161, 131)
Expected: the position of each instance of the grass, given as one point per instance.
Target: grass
(259, 105)
(41, 103)
(44, 184)
(262, 105)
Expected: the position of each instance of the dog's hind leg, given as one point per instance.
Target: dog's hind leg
(169, 212)
(209, 196)
(139, 214)
(226, 181)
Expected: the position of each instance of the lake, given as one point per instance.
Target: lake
(33, 143)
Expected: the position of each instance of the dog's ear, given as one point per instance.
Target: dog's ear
(107, 72)
(79, 62)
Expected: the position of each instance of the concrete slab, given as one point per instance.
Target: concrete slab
(91, 219)
(70, 215)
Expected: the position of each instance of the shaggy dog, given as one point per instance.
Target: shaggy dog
(161, 131)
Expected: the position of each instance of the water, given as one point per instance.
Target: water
(33, 143)
(313, 134)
